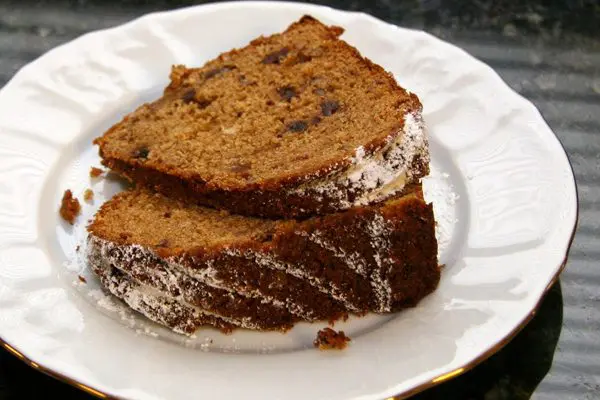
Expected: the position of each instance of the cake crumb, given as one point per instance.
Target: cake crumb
(69, 207)
(95, 172)
(328, 339)
(88, 195)
(82, 279)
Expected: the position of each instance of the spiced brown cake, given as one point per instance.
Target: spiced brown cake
(255, 273)
(294, 124)
(277, 183)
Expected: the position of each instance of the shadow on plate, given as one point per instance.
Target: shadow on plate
(516, 370)
(513, 373)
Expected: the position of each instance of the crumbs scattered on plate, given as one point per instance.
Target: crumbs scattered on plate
(69, 207)
(328, 339)
(95, 172)
(88, 195)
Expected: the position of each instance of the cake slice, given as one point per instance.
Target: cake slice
(292, 125)
(378, 258)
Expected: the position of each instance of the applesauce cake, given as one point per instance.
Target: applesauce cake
(292, 125)
(278, 183)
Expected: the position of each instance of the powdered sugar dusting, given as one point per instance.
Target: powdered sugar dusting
(438, 189)
(378, 230)
(270, 261)
(179, 318)
(136, 258)
(157, 306)
(292, 307)
(353, 259)
(165, 280)
(112, 305)
(377, 176)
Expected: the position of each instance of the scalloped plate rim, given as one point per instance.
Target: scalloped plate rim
(23, 74)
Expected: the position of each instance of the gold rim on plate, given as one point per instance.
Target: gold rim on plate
(417, 389)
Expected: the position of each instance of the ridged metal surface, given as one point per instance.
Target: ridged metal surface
(560, 74)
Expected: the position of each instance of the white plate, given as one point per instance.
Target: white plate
(502, 186)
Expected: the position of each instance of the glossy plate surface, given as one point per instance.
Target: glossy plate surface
(501, 184)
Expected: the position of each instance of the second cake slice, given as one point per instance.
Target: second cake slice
(258, 273)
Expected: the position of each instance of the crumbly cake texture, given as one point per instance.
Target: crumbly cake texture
(268, 273)
(294, 124)
(70, 208)
(88, 195)
(95, 172)
(328, 339)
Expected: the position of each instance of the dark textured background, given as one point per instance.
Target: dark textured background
(548, 50)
